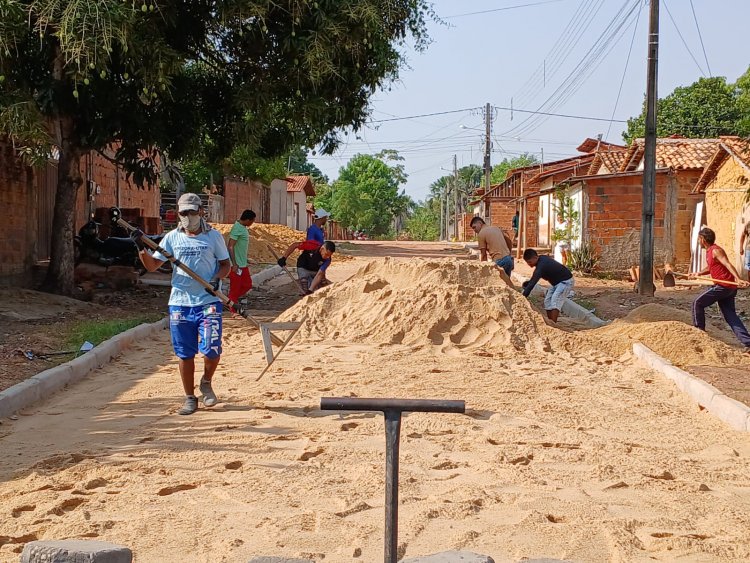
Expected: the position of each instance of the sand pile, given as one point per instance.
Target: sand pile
(667, 332)
(280, 237)
(447, 303)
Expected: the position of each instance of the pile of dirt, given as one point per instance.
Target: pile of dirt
(667, 332)
(445, 303)
(280, 237)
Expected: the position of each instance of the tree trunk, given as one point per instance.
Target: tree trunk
(62, 260)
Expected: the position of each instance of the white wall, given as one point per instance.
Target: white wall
(292, 220)
(278, 202)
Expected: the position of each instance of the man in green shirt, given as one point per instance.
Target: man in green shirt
(240, 281)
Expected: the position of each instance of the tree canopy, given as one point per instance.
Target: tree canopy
(190, 79)
(367, 195)
(708, 108)
(500, 171)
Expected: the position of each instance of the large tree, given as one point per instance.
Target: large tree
(367, 193)
(189, 77)
(500, 171)
(705, 109)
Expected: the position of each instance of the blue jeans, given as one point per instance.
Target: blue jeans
(724, 297)
(557, 294)
(506, 263)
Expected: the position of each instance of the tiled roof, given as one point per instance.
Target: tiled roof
(728, 147)
(611, 159)
(676, 153)
(300, 184)
(577, 164)
(590, 145)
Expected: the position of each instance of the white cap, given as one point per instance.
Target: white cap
(321, 213)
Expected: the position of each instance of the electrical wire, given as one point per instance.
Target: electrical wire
(604, 44)
(624, 73)
(700, 36)
(683, 39)
(422, 115)
(500, 9)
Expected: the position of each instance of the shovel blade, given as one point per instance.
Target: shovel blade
(669, 280)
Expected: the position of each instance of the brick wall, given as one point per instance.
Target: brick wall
(242, 194)
(17, 193)
(104, 174)
(502, 210)
(28, 195)
(685, 215)
(613, 219)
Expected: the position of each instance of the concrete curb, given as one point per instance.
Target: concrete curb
(45, 384)
(734, 413)
(265, 275)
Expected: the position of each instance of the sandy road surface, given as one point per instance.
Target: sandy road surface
(570, 454)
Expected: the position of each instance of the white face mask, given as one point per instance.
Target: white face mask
(190, 223)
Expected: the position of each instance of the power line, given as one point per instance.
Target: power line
(683, 39)
(423, 115)
(624, 73)
(550, 114)
(700, 36)
(606, 41)
(500, 9)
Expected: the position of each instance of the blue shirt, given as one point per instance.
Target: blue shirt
(201, 253)
(316, 233)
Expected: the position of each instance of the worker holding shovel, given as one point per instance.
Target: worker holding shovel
(726, 281)
(194, 311)
(311, 264)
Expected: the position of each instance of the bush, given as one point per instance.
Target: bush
(583, 259)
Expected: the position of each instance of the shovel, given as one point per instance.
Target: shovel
(85, 347)
(669, 279)
(288, 273)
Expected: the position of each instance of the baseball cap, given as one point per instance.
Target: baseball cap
(189, 202)
(321, 213)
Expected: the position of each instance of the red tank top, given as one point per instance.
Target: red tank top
(717, 270)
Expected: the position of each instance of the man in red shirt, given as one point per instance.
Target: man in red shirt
(722, 270)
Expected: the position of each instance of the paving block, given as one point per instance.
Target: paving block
(75, 551)
(451, 557)
(676, 375)
(52, 380)
(266, 559)
(730, 411)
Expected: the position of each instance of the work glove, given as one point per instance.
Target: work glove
(281, 261)
(215, 286)
(137, 236)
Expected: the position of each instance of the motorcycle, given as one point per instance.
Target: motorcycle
(112, 251)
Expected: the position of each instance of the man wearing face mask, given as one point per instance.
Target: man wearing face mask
(194, 312)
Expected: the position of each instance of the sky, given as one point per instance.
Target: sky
(571, 52)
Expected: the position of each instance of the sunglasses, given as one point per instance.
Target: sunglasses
(187, 213)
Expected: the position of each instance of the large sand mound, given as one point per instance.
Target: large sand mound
(667, 332)
(451, 304)
(279, 237)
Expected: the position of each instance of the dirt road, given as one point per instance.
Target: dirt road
(565, 452)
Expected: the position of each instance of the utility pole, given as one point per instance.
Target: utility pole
(646, 274)
(487, 148)
(455, 196)
(442, 216)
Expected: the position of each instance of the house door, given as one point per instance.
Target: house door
(46, 180)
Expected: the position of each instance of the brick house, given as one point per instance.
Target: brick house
(611, 202)
(724, 187)
(241, 194)
(29, 196)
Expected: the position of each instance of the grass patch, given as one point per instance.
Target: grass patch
(346, 246)
(585, 303)
(97, 332)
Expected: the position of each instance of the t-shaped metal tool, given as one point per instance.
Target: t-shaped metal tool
(392, 409)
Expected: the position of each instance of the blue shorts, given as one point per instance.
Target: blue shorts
(747, 259)
(196, 329)
(507, 264)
